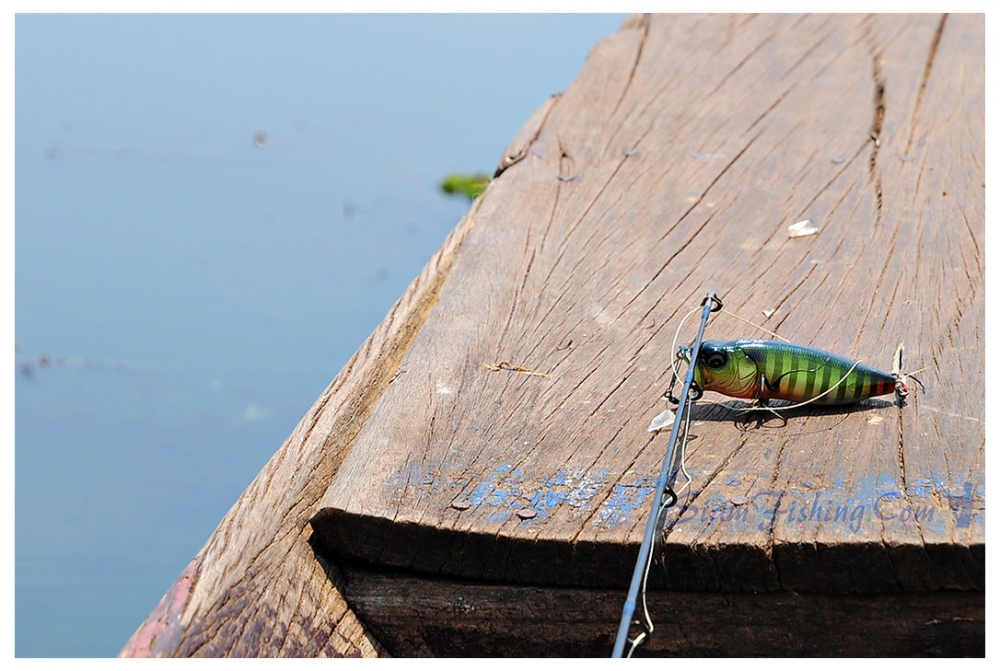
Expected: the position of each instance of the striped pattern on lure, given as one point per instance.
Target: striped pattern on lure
(771, 369)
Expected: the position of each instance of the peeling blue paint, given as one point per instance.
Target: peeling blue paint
(480, 493)
(875, 499)
(545, 500)
(619, 505)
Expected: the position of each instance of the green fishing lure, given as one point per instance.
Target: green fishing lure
(769, 369)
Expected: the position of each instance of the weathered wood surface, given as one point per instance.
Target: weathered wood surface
(671, 166)
(581, 258)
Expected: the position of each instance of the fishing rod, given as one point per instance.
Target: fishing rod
(663, 497)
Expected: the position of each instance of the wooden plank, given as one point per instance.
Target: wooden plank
(494, 425)
(673, 165)
(418, 617)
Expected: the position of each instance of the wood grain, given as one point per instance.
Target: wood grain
(672, 166)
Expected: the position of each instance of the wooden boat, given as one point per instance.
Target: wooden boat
(476, 480)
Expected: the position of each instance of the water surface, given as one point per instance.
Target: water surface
(212, 213)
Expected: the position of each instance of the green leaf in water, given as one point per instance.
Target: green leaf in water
(468, 185)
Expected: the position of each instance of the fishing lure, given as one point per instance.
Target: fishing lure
(769, 369)
(760, 370)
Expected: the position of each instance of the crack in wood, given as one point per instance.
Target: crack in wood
(878, 117)
(521, 145)
(643, 27)
(931, 54)
(772, 106)
(876, 137)
(770, 544)
(732, 71)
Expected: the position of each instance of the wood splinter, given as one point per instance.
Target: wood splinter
(507, 365)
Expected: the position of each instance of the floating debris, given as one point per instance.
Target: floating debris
(470, 186)
(34, 364)
(802, 229)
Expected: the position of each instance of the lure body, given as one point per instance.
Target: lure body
(771, 369)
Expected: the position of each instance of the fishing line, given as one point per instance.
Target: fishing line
(683, 454)
(743, 319)
(663, 498)
(673, 346)
(674, 496)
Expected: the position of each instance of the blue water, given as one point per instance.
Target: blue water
(212, 214)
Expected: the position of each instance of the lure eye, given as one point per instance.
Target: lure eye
(716, 360)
